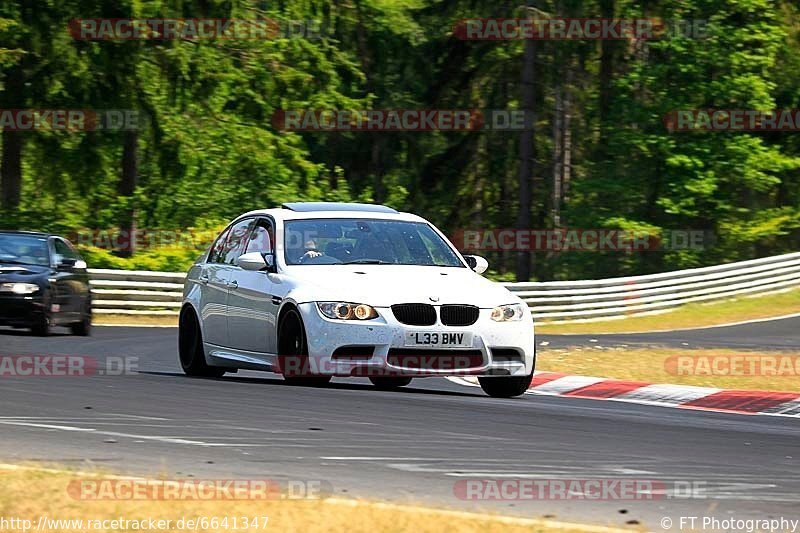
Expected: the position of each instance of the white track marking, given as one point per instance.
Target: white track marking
(566, 384)
(727, 325)
(790, 408)
(667, 394)
(94, 431)
(657, 395)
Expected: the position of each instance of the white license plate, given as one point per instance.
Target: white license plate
(439, 339)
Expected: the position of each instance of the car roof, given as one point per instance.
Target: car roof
(314, 210)
(27, 233)
(310, 207)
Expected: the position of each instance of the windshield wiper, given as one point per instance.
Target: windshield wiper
(12, 262)
(366, 262)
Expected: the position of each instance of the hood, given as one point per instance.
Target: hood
(21, 273)
(386, 285)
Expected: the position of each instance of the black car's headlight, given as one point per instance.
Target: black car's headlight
(19, 288)
(508, 313)
(347, 311)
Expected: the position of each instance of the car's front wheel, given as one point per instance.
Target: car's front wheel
(387, 383)
(41, 326)
(293, 352)
(84, 327)
(506, 386)
(190, 348)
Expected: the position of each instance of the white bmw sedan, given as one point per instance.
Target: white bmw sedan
(316, 290)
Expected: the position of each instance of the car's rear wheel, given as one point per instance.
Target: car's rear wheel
(190, 347)
(506, 386)
(387, 383)
(293, 352)
(84, 327)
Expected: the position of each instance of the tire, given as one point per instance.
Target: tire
(190, 348)
(505, 387)
(84, 327)
(386, 383)
(292, 344)
(41, 326)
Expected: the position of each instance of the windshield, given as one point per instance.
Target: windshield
(23, 250)
(366, 241)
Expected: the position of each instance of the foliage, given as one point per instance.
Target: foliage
(207, 150)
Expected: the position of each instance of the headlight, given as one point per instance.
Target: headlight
(508, 313)
(347, 311)
(19, 288)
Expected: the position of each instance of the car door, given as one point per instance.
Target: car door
(67, 290)
(252, 308)
(81, 284)
(213, 277)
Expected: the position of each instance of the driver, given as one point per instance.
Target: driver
(310, 247)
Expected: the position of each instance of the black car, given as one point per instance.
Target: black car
(43, 283)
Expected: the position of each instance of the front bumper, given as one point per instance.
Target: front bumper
(341, 348)
(20, 310)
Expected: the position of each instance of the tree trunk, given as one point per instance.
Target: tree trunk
(11, 165)
(566, 165)
(558, 154)
(527, 153)
(11, 170)
(607, 52)
(126, 188)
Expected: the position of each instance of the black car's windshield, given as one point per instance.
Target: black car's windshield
(23, 250)
(366, 241)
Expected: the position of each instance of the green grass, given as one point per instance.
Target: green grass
(657, 365)
(29, 493)
(137, 320)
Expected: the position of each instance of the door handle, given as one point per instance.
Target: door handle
(203, 279)
(233, 285)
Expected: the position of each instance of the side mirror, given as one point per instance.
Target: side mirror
(257, 261)
(66, 262)
(269, 260)
(476, 263)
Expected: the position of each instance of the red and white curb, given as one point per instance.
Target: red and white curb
(679, 396)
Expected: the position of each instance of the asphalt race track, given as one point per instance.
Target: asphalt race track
(768, 335)
(410, 446)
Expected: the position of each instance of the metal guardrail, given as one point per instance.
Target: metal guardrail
(125, 292)
(136, 292)
(562, 301)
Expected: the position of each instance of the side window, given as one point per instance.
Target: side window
(216, 249)
(236, 242)
(64, 250)
(73, 250)
(262, 237)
